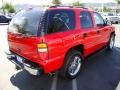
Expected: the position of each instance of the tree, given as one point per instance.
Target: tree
(56, 2)
(77, 3)
(118, 2)
(105, 9)
(8, 7)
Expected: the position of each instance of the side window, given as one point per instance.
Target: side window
(3, 18)
(98, 19)
(86, 20)
(60, 20)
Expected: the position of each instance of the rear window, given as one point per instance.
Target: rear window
(26, 22)
(60, 20)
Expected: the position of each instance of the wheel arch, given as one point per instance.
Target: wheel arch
(112, 33)
(79, 48)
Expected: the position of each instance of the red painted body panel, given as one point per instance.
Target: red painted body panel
(59, 43)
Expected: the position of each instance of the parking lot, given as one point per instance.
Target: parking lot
(99, 72)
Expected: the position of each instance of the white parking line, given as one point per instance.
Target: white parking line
(54, 82)
(74, 84)
(118, 87)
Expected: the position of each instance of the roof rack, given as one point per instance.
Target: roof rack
(81, 7)
(55, 6)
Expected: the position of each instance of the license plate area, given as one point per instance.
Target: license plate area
(19, 59)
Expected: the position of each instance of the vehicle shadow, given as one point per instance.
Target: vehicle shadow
(99, 72)
(24, 81)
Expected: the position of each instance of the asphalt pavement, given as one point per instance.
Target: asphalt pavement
(100, 71)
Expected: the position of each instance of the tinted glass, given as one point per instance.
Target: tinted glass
(113, 18)
(3, 17)
(26, 22)
(86, 20)
(98, 19)
(60, 20)
(110, 14)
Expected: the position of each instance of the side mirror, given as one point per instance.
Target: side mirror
(108, 23)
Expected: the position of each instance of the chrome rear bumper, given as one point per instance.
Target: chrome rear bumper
(27, 65)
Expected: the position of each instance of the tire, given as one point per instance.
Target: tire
(116, 22)
(72, 65)
(17, 68)
(111, 42)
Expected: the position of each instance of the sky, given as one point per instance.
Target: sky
(41, 2)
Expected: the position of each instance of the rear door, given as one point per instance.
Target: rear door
(61, 23)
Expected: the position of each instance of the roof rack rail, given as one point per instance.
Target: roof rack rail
(55, 6)
(81, 7)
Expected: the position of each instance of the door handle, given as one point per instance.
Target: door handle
(98, 32)
(84, 34)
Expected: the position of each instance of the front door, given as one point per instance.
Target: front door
(101, 30)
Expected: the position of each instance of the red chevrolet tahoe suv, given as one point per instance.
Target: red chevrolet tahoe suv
(42, 41)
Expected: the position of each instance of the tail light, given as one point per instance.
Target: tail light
(43, 51)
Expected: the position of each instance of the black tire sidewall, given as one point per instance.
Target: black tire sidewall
(68, 60)
(108, 46)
